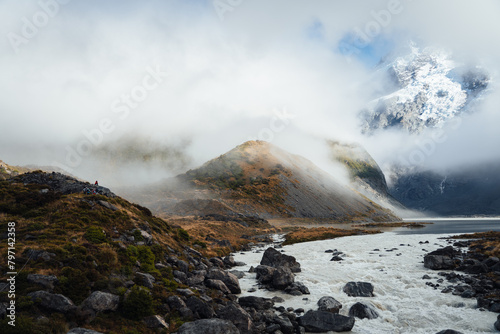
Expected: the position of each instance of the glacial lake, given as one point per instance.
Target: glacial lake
(452, 225)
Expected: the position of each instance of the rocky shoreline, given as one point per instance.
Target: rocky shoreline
(470, 274)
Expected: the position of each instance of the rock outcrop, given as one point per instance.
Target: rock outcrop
(61, 183)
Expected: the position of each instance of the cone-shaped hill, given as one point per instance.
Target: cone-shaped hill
(260, 179)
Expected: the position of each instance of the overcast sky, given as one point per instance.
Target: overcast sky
(194, 78)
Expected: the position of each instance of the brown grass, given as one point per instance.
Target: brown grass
(488, 242)
(322, 233)
(199, 229)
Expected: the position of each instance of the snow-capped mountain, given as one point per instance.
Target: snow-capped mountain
(424, 89)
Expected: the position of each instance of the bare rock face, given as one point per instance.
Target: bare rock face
(62, 183)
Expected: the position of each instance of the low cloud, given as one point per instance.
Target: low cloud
(225, 80)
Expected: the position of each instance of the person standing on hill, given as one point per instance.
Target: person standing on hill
(96, 183)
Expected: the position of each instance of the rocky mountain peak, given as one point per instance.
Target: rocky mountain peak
(427, 88)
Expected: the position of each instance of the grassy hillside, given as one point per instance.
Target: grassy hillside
(244, 174)
(91, 243)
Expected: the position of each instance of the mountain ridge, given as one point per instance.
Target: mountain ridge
(425, 88)
(259, 179)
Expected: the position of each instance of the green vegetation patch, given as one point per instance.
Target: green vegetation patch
(137, 304)
(95, 235)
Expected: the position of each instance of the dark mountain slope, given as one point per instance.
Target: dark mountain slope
(472, 191)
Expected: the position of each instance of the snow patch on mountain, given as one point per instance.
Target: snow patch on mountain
(427, 89)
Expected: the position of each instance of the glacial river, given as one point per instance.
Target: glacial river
(404, 302)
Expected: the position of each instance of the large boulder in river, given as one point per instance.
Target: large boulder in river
(321, 322)
(363, 311)
(497, 323)
(265, 274)
(282, 278)
(329, 304)
(359, 289)
(297, 289)
(449, 331)
(258, 303)
(276, 259)
(209, 326)
(443, 258)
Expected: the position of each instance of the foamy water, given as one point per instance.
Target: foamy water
(405, 304)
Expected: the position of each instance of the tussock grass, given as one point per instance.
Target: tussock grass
(487, 243)
(322, 233)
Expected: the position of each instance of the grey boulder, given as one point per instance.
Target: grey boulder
(363, 311)
(209, 326)
(321, 322)
(102, 301)
(358, 289)
(329, 304)
(52, 302)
